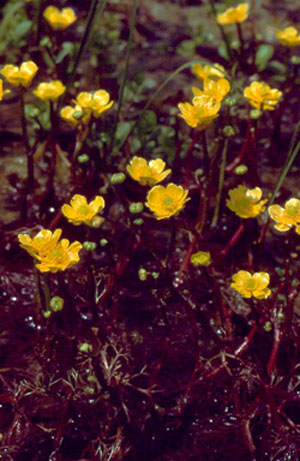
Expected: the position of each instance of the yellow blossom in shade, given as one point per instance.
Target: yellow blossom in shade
(251, 286)
(80, 211)
(69, 113)
(288, 37)
(246, 203)
(2, 93)
(201, 112)
(286, 217)
(49, 91)
(22, 75)
(215, 89)
(147, 174)
(261, 96)
(94, 102)
(52, 255)
(59, 19)
(233, 15)
(201, 258)
(212, 72)
(165, 202)
(41, 244)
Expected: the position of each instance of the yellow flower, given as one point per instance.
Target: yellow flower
(165, 202)
(82, 212)
(59, 19)
(201, 112)
(246, 202)
(288, 36)
(233, 15)
(2, 93)
(207, 71)
(286, 217)
(250, 286)
(94, 103)
(202, 258)
(69, 113)
(215, 89)
(22, 75)
(49, 91)
(147, 174)
(52, 254)
(261, 96)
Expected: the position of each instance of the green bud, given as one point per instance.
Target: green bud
(295, 60)
(138, 222)
(230, 101)
(136, 207)
(85, 347)
(92, 379)
(76, 84)
(142, 274)
(255, 114)
(78, 115)
(96, 222)
(103, 242)
(89, 390)
(47, 314)
(31, 111)
(268, 326)
(228, 131)
(294, 255)
(57, 303)
(117, 178)
(155, 275)
(89, 246)
(241, 169)
(45, 41)
(83, 158)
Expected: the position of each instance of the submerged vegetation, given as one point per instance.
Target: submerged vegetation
(150, 217)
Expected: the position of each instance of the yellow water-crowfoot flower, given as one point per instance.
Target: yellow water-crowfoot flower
(165, 202)
(288, 37)
(59, 19)
(49, 91)
(2, 92)
(251, 286)
(22, 75)
(261, 96)
(233, 15)
(208, 72)
(94, 102)
(74, 115)
(201, 258)
(286, 217)
(246, 203)
(215, 89)
(80, 211)
(52, 255)
(201, 112)
(147, 173)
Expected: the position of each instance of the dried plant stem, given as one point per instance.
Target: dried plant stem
(215, 218)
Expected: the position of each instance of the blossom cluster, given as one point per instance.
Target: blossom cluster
(86, 105)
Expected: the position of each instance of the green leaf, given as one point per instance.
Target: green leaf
(186, 48)
(147, 122)
(23, 28)
(123, 129)
(67, 49)
(263, 55)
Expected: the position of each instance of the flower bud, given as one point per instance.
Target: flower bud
(255, 114)
(230, 101)
(142, 274)
(241, 169)
(85, 347)
(155, 275)
(96, 222)
(103, 242)
(228, 131)
(78, 115)
(136, 208)
(117, 178)
(57, 303)
(83, 158)
(47, 314)
(89, 246)
(138, 222)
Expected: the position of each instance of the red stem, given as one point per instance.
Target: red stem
(232, 242)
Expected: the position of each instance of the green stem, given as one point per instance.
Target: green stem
(221, 184)
(240, 35)
(46, 291)
(124, 76)
(30, 175)
(38, 292)
(224, 36)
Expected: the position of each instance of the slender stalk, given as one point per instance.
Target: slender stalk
(232, 242)
(224, 36)
(46, 291)
(205, 153)
(240, 35)
(188, 157)
(221, 184)
(38, 292)
(30, 167)
(124, 76)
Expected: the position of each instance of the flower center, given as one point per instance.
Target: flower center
(292, 211)
(168, 201)
(84, 210)
(250, 284)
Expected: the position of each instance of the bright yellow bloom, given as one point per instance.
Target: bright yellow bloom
(245, 202)
(215, 89)
(233, 15)
(207, 71)
(261, 96)
(52, 254)
(94, 102)
(286, 217)
(201, 112)
(147, 174)
(202, 258)
(59, 19)
(251, 286)
(82, 212)
(50, 91)
(288, 37)
(165, 202)
(2, 93)
(22, 75)
(68, 112)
